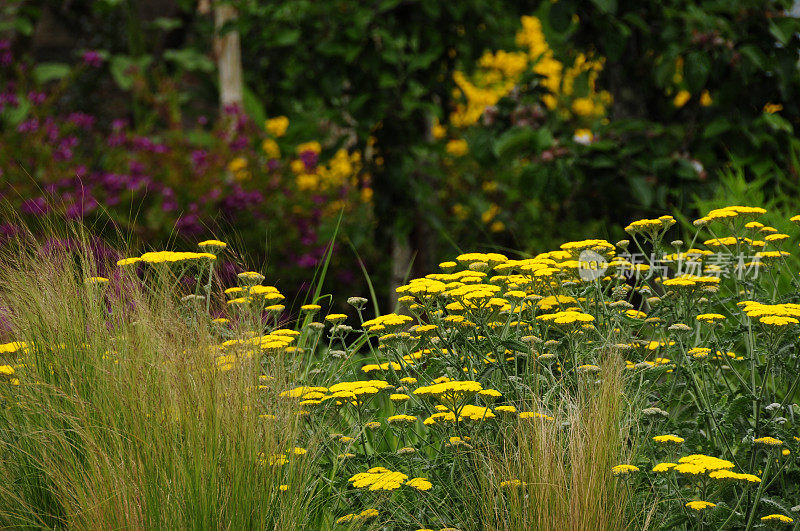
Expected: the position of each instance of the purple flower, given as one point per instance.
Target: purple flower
(84, 205)
(81, 120)
(136, 167)
(239, 143)
(28, 126)
(189, 224)
(169, 203)
(35, 206)
(199, 160)
(8, 99)
(51, 129)
(116, 140)
(309, 158)
(307, 260)
(62, 153)
(37, 98)
(92, 58)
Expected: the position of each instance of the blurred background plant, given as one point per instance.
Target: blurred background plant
(433, 128)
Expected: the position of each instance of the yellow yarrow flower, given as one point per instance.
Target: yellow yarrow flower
(777, 518)
(699, 505)
(768, 441)
(621, 470)
(668, 439)
(277, 126)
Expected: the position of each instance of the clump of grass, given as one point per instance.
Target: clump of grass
(122, 418)
(554, 472)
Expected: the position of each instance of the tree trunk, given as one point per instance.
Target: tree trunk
(227, 49)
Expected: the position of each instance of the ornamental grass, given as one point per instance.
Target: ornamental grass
(638, 384)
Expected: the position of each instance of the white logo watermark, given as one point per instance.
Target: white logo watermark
(592, 265)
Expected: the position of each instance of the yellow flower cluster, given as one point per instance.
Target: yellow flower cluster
(169, 257)
(650, 226)
(465, 412)
(601, 247)
(212, 245)
(238, 167)
(389, 365)
(668, 439)
(731, 212)
(699, 464)
(710, 317)
(381, 478)
(622, 470)
(366, 514)
(277, 126)
(450, 392)
(499, 72)
(699, 505)
(777, 518)
(772, 314)
(401, 419)
(388, 322)
(567, 317)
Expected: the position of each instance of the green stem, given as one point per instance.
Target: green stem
(760, 491)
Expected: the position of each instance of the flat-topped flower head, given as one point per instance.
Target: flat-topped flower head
(336, 318)
(661, 468)
(699, 505)
(490, 393)
(128, 261)
(689, 469)
(95, 281)
(250, 278)
(378, 478)
(768, 441)
(391, 322)
(733, 212)
(567, 317)
(366, 514)
(491, 259)
(778, 321)
(212, 246)
(734, 477)
(419, 484)
(777, 518)
(173, 257)
(710, 317)
(668, 439)
(623, 470)
(401, 419)
(450, 393)
(702, 462)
